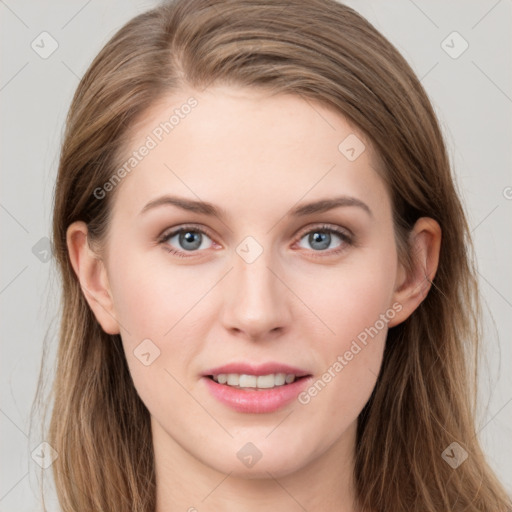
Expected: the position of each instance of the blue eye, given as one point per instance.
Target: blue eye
(191, 239)
(187, 239)
(321, 238)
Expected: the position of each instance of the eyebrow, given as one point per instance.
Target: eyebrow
(209, 209)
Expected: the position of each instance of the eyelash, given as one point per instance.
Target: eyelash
(346, 239)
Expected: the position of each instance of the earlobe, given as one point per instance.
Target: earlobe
(412, 287)
(92, 275)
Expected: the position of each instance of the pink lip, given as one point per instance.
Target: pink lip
(251, 369)
(256, 401)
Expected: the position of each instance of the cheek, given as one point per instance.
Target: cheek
(155, 305)
(355, 302)
(351, 297)
(150, 299)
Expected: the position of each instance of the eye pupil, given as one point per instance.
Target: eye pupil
(190, 237)
(321, 238)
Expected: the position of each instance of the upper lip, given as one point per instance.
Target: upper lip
(257, 369)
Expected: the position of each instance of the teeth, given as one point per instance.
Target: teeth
(248, 381)
(280, 379)
(254, 381)
(233, 379)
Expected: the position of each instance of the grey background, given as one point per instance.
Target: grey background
(472, 95)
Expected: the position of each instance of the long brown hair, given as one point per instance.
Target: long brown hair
(425, 396)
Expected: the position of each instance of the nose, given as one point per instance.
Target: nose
(257, 303)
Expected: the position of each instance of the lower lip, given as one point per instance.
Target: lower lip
(256, 401)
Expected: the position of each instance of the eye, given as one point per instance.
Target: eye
(185, 239)
(191, 239)
(321, 238)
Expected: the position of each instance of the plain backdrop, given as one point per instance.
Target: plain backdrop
(468, 76)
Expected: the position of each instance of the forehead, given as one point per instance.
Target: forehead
(247, 146)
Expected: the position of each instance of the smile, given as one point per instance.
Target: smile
(244, 381)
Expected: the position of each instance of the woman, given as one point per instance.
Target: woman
(269, 300)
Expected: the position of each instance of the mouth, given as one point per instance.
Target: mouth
(250, 382)
(248, 388)
(244, 397)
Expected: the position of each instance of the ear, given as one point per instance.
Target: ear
(92, 274)
(412, 288)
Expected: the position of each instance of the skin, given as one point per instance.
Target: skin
(256, 157)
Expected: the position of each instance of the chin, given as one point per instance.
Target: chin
(257, 460)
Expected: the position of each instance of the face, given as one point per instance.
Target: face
(256, 282)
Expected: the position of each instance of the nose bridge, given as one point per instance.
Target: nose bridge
(255, 300)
